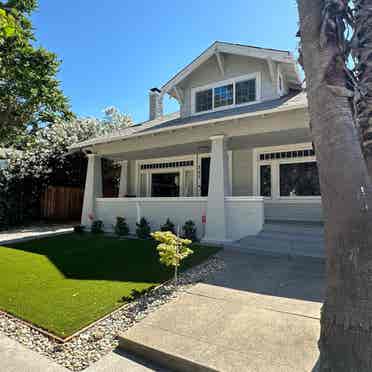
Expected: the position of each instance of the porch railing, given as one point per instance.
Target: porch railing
(244, 215)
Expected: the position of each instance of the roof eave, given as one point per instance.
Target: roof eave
(80, 146)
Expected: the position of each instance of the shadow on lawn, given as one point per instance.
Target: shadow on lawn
(95, 257)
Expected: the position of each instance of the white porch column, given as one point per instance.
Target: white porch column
(93, 188)
(216, 228)
(123, 186)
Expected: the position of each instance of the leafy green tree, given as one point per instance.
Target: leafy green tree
(172, 250)
(30, 94)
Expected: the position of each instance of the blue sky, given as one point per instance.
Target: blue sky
(113, 51)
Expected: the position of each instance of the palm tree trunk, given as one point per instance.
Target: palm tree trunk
(361, 48)
(346, 321)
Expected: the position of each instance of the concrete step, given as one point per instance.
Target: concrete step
(272, 241)
(296, 228)
(293, 239)
(174, 352)
(287, 236)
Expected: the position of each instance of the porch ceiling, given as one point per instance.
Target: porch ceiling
(286, 137)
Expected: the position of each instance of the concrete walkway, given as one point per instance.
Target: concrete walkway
(261, 315)
(16, 358)
(34, 232)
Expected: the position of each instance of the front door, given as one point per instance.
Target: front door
(205, 167)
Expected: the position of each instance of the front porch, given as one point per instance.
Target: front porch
(227, 177)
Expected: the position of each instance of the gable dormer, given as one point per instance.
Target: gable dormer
(232, 75)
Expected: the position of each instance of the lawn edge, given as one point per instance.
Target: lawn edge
(64, 340)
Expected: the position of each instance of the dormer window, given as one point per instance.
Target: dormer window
(204, 100)
(226, 94)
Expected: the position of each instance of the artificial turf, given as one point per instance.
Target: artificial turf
(64, 283)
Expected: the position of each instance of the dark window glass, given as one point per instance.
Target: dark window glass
(205, 167)
(223, 96)
(299, 179)
(165, 185)
(245, 91)
(203, 100)
(265, 180)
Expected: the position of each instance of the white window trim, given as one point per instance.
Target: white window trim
(275, 172)
(196, 169)
(217, 84)
(149, 172)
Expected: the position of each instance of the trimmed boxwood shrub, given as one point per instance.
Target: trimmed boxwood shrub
(143, 229)
(121, 227)
(97, 227)
(189, 231)
(168, 226)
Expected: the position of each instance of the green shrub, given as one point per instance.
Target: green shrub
(189, 231)
(168, 226)
(121, 227)
(97, 227)
(143, 229)
(79, 229)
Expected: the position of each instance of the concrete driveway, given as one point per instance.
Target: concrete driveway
(261, 314)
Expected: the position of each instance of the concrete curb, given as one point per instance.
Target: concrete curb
(173, 362)
(35, 237)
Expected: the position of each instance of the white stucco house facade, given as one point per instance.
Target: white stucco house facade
(238, 152)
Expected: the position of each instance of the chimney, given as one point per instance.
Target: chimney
(156, 103)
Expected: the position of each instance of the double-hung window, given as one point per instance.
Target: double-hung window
(225, 94)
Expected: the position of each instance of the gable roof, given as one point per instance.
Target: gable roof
(292, 101)
(275, 55)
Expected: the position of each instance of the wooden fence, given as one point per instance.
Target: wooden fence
(62, 203)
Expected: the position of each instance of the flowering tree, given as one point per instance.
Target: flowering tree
(44, 158)
(172, 249)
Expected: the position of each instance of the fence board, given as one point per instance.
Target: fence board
(62, 203)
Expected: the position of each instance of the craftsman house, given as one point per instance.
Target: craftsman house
(238, 152)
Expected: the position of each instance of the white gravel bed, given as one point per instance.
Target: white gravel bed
(95, 342)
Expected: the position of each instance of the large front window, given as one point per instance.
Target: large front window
(166, 178)
(165, 185)
(287, 173)
(224, 94)
(300, 179)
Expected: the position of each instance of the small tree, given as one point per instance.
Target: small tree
(172, 250)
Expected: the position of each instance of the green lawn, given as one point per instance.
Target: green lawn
(65, 283)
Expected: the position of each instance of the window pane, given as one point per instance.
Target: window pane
(299, 179)
(265, 180)
(189, 183)
(245, 91)
(203, 100)
(223, 96)
(165, 185)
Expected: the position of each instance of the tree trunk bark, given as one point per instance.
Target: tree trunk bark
(361, 50)
(346, 321)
